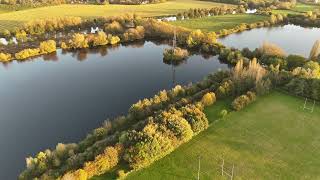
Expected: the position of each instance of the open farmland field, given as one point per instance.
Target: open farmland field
(217, 23)
(270, 139)
(17, 18)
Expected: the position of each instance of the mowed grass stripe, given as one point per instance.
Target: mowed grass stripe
(272, 138)
(17, 18)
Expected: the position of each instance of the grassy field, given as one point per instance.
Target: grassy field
(216, 23)
(16, 18)
(271, 139)
(305, 7)
(299, 8)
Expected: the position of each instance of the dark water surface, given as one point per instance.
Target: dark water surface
(293, 39)
(60, 98)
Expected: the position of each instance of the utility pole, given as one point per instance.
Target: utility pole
(174, 44)
(199, 169)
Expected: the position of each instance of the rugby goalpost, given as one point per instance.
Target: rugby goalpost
(305, 107)
(224, 171)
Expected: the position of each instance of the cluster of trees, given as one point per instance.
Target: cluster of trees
(32, 3)
(305, 87)
(102, 163)
(198, 13)
(255, 4)
(309, 18)
(162, 134)
(243, 100)
(127, 31)
(45, 47)
(40, 26)
(136, 2)
(79, 41)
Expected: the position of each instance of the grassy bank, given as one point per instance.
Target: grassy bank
(270, 139)
(217, 23)
(17, 18)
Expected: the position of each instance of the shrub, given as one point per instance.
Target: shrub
(100, 39)
(5, 57)
(134, 33)
(195, 38)
(195, 117)
(40, 26)
(21, 36)
(315, 51)
(272, 50)
(26, 53)
(79, 174)
(243, 100)
(5, 33)
(294, 61)
(114, 28)
(175, 55)
(48, 47)
(113, 39)
(102, 163)
(78, 41)
(208, 99)
(223, 113)
(121, 174)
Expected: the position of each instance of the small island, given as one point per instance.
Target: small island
(175, 55)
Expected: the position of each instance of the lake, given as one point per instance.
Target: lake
(293, 39)
(63, 96)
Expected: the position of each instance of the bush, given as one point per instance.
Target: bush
(114, 28)
(78, 41)
(294, 61)
(243, 100)
(113, 39)
(174, 55)
(5, 33)
(76, 175)
(272, 50)
(27, 53)
(134, 33)
(223, 113)
(5, 57)
(48, 47)
(195, 38)
(102, 163)
(100, 39)
(121, 174)
(208, 99)
(195, 117)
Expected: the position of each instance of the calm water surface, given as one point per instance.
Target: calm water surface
(60, 98)
(293, 39)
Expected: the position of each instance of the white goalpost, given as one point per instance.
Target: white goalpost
(305, 107)
(225, 172)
